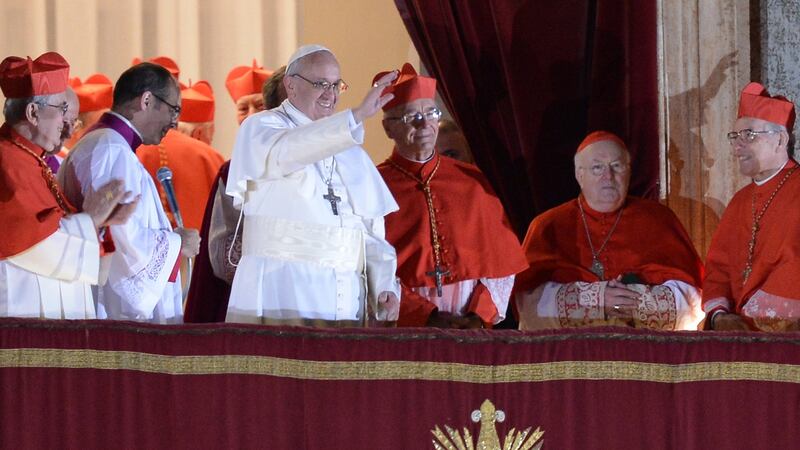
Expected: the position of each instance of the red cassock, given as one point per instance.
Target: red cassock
(476, 238)
(29, 212)
(776, 256)
(194, 166)
(648, 242)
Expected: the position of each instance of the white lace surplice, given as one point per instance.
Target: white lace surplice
(674, 305)
(146, 248)
(52, 279)
(456, 296)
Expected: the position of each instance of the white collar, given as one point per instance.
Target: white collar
(295, 115)
(765, 180)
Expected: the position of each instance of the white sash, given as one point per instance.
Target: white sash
(335, 247)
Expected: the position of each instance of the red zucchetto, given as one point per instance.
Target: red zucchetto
(597, 136)
(407, 87)
(24, 77)
(246, 80)
(163, 61)
(96, 93)
(757, 103)
(197, 102)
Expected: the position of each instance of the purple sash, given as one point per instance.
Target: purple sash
(113, 122)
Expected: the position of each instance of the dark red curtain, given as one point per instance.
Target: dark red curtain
(527, 80)
(104, 384)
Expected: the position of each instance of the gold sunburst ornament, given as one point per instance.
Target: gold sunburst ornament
(487, 437)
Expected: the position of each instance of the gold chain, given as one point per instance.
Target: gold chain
(426, 188)
(49, 178)
(596, 255)
(751, 248)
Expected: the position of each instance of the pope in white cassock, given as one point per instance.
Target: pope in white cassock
(313, 207)
(143, 281)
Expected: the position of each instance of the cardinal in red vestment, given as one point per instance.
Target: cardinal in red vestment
(457, 254)
(754, 259)
(606, 258)
(50, 253)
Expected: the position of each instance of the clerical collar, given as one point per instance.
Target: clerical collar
(766, 180)
(294, 114)
(419, 168)
(122, 126)
(593, 213)
(420, 161)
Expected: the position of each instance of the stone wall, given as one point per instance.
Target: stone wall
(779, 29)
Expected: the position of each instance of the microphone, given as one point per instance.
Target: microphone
(164, 176)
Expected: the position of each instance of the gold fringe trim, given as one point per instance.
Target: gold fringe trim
(398, 370)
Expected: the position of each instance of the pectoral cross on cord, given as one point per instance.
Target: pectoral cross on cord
(439, 271)
(331, 197)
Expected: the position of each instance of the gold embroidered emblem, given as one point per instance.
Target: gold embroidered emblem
(487, 436)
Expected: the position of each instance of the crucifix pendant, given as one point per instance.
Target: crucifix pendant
(333, 199)
(438, 272)
(597, 268)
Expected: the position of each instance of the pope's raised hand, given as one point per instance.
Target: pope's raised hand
(374, 101)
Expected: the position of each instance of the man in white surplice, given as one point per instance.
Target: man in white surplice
(313, 207)
(49, 253)
(143, 283)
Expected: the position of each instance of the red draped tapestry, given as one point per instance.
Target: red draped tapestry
(527, 80)
(104, 384)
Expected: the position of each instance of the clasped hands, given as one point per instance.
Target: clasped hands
(620, 301)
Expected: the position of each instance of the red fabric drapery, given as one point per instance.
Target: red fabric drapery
(528, 80)
(104, 384)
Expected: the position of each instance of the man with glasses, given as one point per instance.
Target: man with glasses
(70, 117)
(49, 254)
(606, 258)
(457, 254)
(143, 283)
(754, 259)
(187, 152)
(312, 207)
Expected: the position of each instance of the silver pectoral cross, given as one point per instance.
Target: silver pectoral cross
(438, 272)
(333, 199)
(597, 268)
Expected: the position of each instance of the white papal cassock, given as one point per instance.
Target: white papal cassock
(300, 261)
(146, 248)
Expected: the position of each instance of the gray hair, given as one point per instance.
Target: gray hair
(14, 108)
(772, 126)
